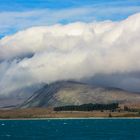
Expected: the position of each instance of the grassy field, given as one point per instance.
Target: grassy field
(49, 113)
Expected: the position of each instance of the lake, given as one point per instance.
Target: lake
(70, 129)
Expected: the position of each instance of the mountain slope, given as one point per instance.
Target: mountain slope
(74, 93)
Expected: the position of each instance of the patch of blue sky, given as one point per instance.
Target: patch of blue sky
(17, 5)
(17, 15)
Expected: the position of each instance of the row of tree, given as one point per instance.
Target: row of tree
(88, 107)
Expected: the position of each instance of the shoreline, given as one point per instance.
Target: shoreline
(48, 114)
(90, 118)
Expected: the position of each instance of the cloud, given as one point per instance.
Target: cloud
(74, 51)
(128, 81)
(17, 20)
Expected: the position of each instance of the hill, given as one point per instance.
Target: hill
(74, 93)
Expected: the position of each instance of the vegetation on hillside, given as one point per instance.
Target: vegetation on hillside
(88, 107)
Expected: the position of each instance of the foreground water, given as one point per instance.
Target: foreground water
(70, 129)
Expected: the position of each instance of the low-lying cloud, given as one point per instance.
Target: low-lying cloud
(74, 51)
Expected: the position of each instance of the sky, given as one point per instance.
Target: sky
(18, 15)
(43, 41)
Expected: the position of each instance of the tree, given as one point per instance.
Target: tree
(109, 115)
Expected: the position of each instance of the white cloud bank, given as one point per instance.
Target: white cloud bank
(72, 51)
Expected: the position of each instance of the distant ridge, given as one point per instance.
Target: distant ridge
(75, 93)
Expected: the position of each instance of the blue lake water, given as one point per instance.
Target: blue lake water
(70, 129)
